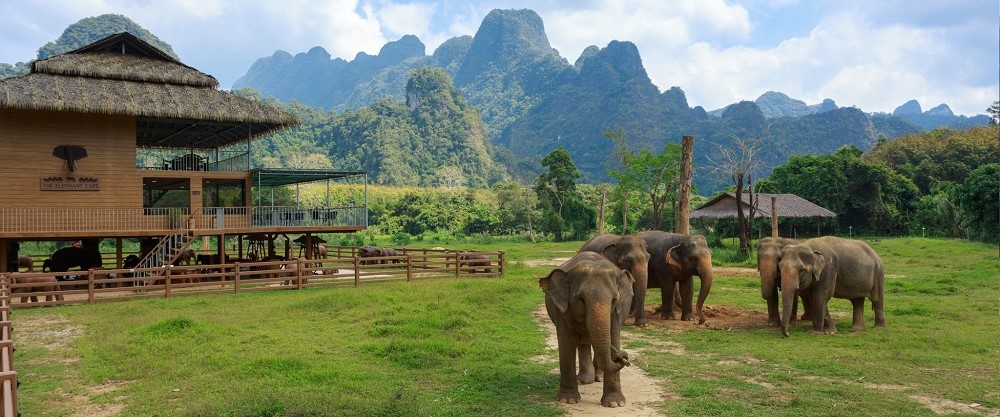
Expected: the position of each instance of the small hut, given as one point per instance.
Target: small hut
(723, 206)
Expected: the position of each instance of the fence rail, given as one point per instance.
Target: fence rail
(29, 289)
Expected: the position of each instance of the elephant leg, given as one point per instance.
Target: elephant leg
(687, 293)
(795, 310)
(667, 302)
(819, 311)
(859, 314)
(613, 396)
(806, 306)
(587, 375)
(569, 392)
(879, 308)
(773, 317)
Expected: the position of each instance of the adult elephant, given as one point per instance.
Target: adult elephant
(827, 267)
(588, 300)
(628, 253)
(85, 257)
(768, 257)
(40, 284)
(673, 260)
(24, 261)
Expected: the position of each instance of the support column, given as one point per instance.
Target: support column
(3, 256)
(118, 253)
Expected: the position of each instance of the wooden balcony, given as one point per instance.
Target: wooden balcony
(48, 223)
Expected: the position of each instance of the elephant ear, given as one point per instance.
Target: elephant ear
(556, 287)
(673, 257)
(610, 252)
(819, 263)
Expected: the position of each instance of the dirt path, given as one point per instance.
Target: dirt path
(640, 390)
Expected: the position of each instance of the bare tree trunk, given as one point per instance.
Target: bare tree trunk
(624, 213)
(774, 217)
(741, 216)
(684, 191)
(600, 216)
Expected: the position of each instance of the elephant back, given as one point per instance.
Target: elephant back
(582, 257)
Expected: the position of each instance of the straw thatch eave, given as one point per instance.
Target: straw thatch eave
(123, 67)
(789, 205)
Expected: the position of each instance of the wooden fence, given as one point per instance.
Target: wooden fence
(28, 289)
(8, 378)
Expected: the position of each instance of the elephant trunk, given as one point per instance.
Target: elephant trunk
(705, 273)
(641, 275)
(599, 322)
(789, 285)
(768, 278)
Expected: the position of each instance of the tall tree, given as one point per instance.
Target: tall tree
(564, 211)
(740, 162)
(979, 197)
(621, 156)
(655, 175)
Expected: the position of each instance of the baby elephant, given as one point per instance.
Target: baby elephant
(54, 286)
(588, 299)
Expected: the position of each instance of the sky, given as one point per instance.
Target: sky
(874, 55)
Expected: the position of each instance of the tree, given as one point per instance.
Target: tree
(994, 113)
(979, 197)
(739, 163)
(564, 212)
(621, 156)
(654, 174)
(516, 204)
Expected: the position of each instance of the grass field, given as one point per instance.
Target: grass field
(463, 347)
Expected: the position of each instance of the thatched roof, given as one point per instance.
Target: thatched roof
(175, 105)
(789, 205)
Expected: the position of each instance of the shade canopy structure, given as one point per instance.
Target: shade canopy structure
(176, 106)
(275, 177)
(788, 205)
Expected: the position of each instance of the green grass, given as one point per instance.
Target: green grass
(463, 347)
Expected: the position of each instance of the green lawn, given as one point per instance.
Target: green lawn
(463, 347)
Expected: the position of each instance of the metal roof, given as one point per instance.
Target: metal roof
(789, 205)
(272, 177)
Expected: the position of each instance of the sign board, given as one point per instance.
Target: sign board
(70, 183)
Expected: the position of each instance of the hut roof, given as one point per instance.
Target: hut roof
(175, 105)
(789, 205)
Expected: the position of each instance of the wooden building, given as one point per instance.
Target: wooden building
(120, 140)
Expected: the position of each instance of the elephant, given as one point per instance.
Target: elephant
(588, 300)
(768, 257)
(84, 257)
(674, 259)
(628, 253)
(25, 262)
(827, 267)
(475, 260)
(51, 285)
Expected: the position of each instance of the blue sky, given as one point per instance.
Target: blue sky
(871, 54)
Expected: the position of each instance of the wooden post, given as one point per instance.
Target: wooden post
(236, 277)
(166, 281)
(458, 264)
(501, 262)
(684, 189)
(357, 272)
(409, 267)
(3, 257)
(298, 273)
(90, 282)
(774, 216)
(118, 253)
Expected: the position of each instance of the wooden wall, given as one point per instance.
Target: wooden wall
(26, 142)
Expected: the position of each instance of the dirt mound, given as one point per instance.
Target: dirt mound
(717, 317)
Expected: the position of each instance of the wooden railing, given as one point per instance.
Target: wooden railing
(38, 220)
(101, 285)
(8, 378)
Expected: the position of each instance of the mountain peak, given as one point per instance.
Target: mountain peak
(408, 46)
(504, 37)
(940, 110)
(910, 107)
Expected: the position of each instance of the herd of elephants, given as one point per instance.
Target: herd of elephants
(590, 297)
